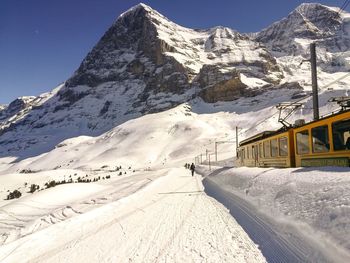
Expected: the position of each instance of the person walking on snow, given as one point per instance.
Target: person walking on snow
(192, 168)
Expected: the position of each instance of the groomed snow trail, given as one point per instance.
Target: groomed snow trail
(171, 220)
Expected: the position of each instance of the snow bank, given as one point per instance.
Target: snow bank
(319, 197)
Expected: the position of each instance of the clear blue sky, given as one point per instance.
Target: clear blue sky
(42, 42)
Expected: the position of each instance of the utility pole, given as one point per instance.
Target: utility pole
(314, 80)
(216, 151)
(206, 154)
(209, 163)
(236, 141)
(201, 159)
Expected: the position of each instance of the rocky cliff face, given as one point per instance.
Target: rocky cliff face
(144, 45)
(145, 63)
(308, 22)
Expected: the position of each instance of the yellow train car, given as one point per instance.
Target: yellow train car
(267, 149)
(325, 142)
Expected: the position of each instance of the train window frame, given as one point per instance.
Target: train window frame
(267, 148)
(274, 147)
(313, 137)
(280, 147)
(307, 144)
(344, 142)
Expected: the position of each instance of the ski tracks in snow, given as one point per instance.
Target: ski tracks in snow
(172, 220)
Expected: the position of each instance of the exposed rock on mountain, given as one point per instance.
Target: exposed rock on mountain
(308, 22)
(15, 107)
(144, 45)
(145, 63)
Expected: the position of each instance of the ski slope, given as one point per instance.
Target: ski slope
(169, 220)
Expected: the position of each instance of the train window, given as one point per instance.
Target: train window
(341, 135)
(266, 148)
(274, 148)
(320, 140)
(260, 150)
(303, 142)
(283, 145)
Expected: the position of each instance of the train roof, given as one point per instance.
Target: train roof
(266, 134)
(260, 136)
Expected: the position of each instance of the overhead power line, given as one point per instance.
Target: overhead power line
(344, 6)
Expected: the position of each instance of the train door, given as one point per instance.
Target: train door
(255, 154)
(242, 156)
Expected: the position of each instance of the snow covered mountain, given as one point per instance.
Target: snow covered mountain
(149, 97)
(308, 22)
(145, 63)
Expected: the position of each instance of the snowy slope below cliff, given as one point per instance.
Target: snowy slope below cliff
(150, 149)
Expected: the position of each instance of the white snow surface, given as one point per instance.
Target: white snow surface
(150, 210)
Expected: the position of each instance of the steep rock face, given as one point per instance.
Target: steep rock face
(307, 22)
(130, 49)
(144, 45)
(16, 106)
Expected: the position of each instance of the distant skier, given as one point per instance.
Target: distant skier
(192, 168)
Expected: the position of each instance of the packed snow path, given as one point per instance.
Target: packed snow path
(278, 243)
(171, 220)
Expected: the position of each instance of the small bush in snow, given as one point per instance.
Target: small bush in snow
(108, 177)
(14, 194)
(33, 188)
(26, 171)
(50, 184)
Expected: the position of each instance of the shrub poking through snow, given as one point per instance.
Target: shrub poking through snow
(50, 184)
(14, 194)
(33, 188)
(26, 171)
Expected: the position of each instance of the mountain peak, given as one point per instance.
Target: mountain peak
(143, 9)
(307, 6)
(140, 6)
(309, 9)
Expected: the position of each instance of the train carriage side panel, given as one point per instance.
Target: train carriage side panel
(325, 142)
(277, 151)
(268, 150)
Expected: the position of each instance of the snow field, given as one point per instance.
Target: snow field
(170, 220)
(152, 145)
